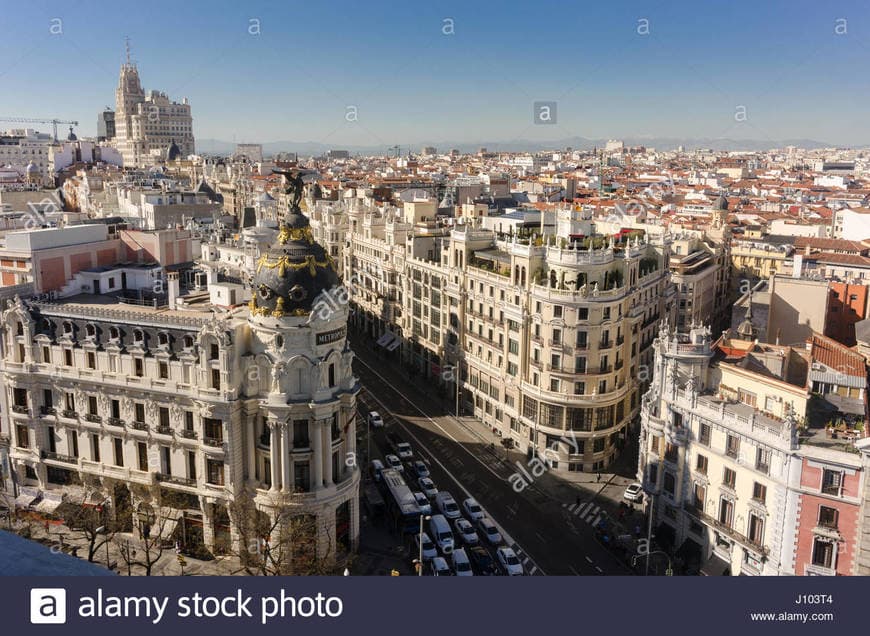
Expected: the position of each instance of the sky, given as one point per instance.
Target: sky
(384, 73)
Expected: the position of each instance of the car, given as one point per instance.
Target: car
(420, 469)
(423, 502)
(634, 492)
(473, 509)
(403, 450)
(509, 561)
(465, 531)
(441, 533)
(489, 531)
(427, 486)
(429, 550)
(375, 419)
(377, 469)
(395, 463)
(461, 564)
(447, 505)
(481, 561)
(438, 567)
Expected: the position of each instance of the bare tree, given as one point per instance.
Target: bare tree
(278, 539)
(155, 522)
(91, 523)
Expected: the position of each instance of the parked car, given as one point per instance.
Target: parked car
(465, 531)
(447, 506)
(489, 531)
(395, 463)
(473, 509)
(438, 567)
(375, 419)
(423, 502)
(376, 469)
(404, 451)
(482, 563)
(420, 469)
(461, 564)
(429, 550)
(634, 492)
(427, 486)
(509, 561)
(441, 534)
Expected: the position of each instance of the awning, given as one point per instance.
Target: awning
(168, 522)
(51, 499)
(394, 344)
(26, 496)
(386, 338)
(716, 566)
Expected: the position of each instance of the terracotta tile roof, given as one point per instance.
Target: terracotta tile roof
(829, 245)
(837, 356)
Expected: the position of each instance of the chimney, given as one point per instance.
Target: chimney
(173, 286)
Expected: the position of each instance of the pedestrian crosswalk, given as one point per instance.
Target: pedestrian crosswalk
(588, 512)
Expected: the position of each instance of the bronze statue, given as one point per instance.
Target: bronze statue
(293, 184)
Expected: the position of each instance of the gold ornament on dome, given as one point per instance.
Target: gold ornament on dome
(284, 262)
(303, 234)
(300, 312)
(279, 308)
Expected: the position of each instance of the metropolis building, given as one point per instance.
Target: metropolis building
(144, 405)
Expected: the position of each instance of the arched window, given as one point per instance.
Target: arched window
(19, 328)
(138, 336)
(188, 342)
(163, 339)
(90, 331)
(114, 333)
(67, 327)
(331, 373)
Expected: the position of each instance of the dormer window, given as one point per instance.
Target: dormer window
(67, 328)
(114, 333)
(188, 342)
(138, 336)
(90, 331)
(163, 339)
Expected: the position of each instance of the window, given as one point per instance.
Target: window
(139, 412)
(729, 478)
(557, 311)
(163, 370)
(513, 346)
(164, 417)
(823, 553)
(92, 360)
(554, 385)
(759, 492)
(118, 444)
(828, 517)
(215, 470)
(557, 336)
(701, 464)
(95, 447)
(762, 460)
(22, 434)
(142, 454)
(726, 512)
(213, 429)
(579, 388)
(162, 339)
(90, 331)
(583, 313)
(138, 336)
(188, 420)
(191, 465)
(747, 397)
(670, 483)
(114, 333)
(92, 405)
(732, 446)
(699, 496)
(831, 481)
(300, 434)
(67, 357)
(46, 354)
(331, 375)
(138, 367)
(214, 352)
(512, 368)
(756, 529)
(215, 378)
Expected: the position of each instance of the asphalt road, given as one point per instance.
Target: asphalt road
(551, 538)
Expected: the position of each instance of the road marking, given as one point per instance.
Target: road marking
(435, 459)
(597, 520)
(589, 560)
(573, 570)
(533, 570)
(599, 570)
(542, 538)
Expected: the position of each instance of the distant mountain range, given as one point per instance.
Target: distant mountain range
(313, 148)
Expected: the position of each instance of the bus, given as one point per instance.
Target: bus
(401, 504)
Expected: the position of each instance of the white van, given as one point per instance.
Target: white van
(447, 505)
(377, 469)
(441, 533)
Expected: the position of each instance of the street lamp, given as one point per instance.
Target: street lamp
(420, 544)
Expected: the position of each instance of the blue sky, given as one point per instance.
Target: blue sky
(781, 61)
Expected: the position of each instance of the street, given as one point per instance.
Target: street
(550, 532)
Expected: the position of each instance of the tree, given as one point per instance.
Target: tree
(153, 528)
(278, 539)
(89, 522)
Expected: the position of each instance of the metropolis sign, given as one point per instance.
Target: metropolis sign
(331, 336)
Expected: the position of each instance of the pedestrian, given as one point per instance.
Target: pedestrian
(599, 478)
(577, 502)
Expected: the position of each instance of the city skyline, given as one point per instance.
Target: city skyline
(380, 75)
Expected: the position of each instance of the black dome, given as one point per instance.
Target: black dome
(293, 272)
(173, 152)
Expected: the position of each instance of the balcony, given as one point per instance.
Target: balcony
(140, 426)
(20, 408)
(67, 459)
(164, 429)
(582, 345)
(115, 421)
(620, 340)
(178, 481)
(68, 413)
(93, 417)
(605, 344)
(47, 410)
(619, 364)
(729, 531)
(188, 434)
(213, 441)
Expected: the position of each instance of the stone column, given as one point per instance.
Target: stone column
(326, 429)
(316, 455)
(285, 457)
(274, 450)
(207, 524)
(350, 442)
(252, 449)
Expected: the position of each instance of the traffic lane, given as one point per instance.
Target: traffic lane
(546, 547)
(495, 493)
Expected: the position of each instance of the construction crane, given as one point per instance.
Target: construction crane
(28, 120)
